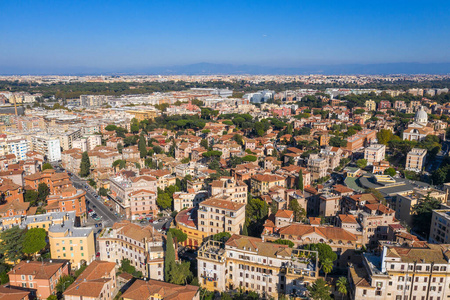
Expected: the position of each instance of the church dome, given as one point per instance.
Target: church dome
(421, 116)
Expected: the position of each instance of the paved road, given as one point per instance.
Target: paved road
(108, 217)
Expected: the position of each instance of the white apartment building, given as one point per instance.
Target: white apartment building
(254, 265)
(48, 146)
(415, 159)
(18, 147)
(440, 222)
(399, 273)
(183, 200)
(374, 153)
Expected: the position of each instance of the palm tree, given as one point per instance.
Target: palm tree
(341, 285)
(327, 266)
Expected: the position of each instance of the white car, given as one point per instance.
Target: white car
(155, 222)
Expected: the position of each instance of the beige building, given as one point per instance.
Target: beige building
(183, 200)
(143, 246)
(329, 205)
(260, 184)
(371, 105)
(318, 167)
(402, 273)
(218, 215)
(374, 153)
(154, 289)
(97, 282)
(234, 190)
(415, 159)
(440, 221)
(405, 202)
(251, 264)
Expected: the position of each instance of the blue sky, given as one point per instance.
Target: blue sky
(131, 34)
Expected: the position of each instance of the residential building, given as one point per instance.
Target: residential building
(68, 199)
(318, 167)
(47, 146)
(143, 246)
(38, 277)
(370, 105)
(251, 264)
(415, 159)
(374, 153)
(234, 190)
(183, 200)
(260, 184)
(154, 289)
(440, 221)
(97, 282)
(218, 215)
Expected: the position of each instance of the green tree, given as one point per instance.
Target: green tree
(324, 250)
(43, 191)
(178, 234)
(422, 213)
(64, 282)
(377, 194)
(142, 146)
(34, 241)
(361, 163)
(245, 230)
(299, 211)
(384, 136)
(300, 180)
(85, 165)
(47, 166)
(204, 143)
(31, 196)
(327, 266)
(342, 286)
(169, 258)
(52, 297)
(164, 201)
(319, 290)
(284, 242)
(221, 236)
(119, 148)
(103, 192)
(390, 171)
(11, 244)
(125, 266)
(180, 273)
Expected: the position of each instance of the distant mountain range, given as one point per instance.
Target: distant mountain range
(221, 69)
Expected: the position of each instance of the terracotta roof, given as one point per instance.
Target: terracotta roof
(225, 204)
(342, 189)
(257, 245)
(283, 213)
(13, 293)
(267, 177)
(135, 231)
(15, 205)
(315, 221)
(380, 207)
(347, 219)
(146, 290)
(40, 270)
(328, 232)
(142, 191)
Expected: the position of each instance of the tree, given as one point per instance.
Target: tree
(52, 297)
(63, 283)
(361, 163)
(422, 213)
(119, 148)
(342, 285)
(47, 166)
(125, 266)
(164, 201)
(31, 196)
(180, 273)
(324, 250)
(319, 290)
(142, 146)
(327, 266)
(103, 192)
(43, 191)
(299, 212)
(85, 165)
(300, 180)
(245, 230)
(11, 244)
(178, 234)
(390, 171)
(204, 143)
(384, 136)
(34, 241)
(221, 236)
(169, 258)
(377, 194)
(284, 242)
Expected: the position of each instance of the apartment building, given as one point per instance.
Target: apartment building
(359, 140)
(318, 167)
(375, 220)
(370, 105)
(183, 200)
(218, 215)
(251, 264)
(329, 205)
(68, 199)
(374, 153)
(405, 202)
(97, 282)
(55, 181)
(73, 243)
(154, 289)
(143, 246)
(38, 277)
(47, 146)
(261, 184)
(419, 273)
(164, 177)
(415, 160)
(67, 138)
(234, 190)
(440, 221)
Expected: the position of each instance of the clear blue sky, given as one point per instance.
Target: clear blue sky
(128, 34)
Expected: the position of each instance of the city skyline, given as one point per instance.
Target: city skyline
(141, 37)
